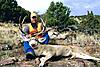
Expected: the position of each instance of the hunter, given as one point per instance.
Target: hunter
(34, 28)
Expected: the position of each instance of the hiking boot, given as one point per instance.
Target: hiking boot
(30, 55)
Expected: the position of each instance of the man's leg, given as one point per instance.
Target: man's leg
(28, 50)
(47, 38)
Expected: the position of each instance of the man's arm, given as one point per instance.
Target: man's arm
(26, 30)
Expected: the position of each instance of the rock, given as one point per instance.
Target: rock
(9, 36)
(60, 63)
(71, 64)
(6, 47)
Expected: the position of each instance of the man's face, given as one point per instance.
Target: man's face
(33, 19)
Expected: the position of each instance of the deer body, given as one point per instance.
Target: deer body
(58, 50)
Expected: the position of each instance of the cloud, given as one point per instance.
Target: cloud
(80, 7)
(77, 7)
(36, 5)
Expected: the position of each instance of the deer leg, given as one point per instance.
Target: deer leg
(44, 59)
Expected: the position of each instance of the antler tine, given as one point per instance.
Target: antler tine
(20, 23)
(23, 19)
(44, 24)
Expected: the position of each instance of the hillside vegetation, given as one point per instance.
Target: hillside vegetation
(82, 31)
(11, 46)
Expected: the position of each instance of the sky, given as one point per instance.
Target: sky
(77, 7)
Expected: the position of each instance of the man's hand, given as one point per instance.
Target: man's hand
(28, 36)
(36, 34)
(25, 37)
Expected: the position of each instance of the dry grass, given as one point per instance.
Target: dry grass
(8, 34)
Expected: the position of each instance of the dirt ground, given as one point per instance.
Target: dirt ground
(11, 46)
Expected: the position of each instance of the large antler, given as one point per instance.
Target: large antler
(21, 23)
(44, 24)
